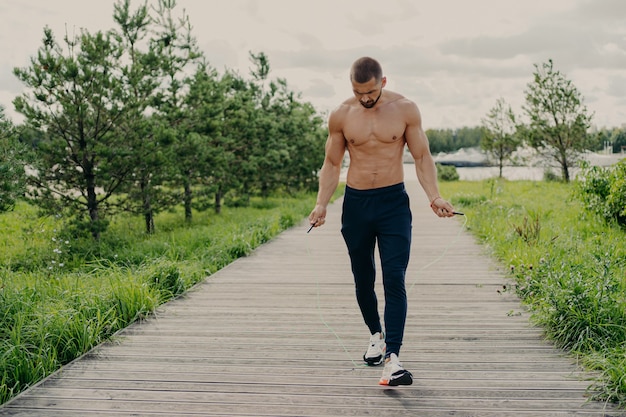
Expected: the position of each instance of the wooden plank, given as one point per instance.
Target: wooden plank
(278, 333)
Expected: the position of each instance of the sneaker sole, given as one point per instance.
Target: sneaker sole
(373, 361)
(376, 360)
(405, 379)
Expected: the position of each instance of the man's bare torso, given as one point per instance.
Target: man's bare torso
(375, 140)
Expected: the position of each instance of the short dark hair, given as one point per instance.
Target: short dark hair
(364, 69)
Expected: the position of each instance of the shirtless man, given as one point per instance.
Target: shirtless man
(374, 126)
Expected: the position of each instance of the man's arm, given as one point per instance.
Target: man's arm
(425, 168)
(331, 169)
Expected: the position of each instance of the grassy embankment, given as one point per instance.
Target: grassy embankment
(568, 266)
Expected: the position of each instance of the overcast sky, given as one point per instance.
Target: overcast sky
(454, 58)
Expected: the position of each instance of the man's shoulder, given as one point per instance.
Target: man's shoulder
(400, 100)
(345, 106)
(340, 112)
(405, 106)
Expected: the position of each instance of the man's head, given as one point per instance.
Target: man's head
(367, 80)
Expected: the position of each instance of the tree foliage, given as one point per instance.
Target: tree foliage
(76, 97)
(558, 119)
(289, 136)
(179, 57)
(12, 161)
(500, 139)
(141, 69)
(136, 119)
(603, 191)
(450, 140)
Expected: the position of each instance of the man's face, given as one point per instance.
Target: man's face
(368, 93)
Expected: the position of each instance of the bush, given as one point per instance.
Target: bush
(603, 191)
(551, 176)
(447, 173)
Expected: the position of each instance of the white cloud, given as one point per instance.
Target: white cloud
(455, 58)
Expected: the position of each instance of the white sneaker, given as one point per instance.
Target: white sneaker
(394, 374)
(376, 350)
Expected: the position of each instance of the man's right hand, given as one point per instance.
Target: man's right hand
(317, 216)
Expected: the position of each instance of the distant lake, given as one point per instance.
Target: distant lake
(513, 173)
(481, 173)
(510, 173)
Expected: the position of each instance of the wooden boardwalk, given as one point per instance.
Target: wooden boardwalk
(279, 334)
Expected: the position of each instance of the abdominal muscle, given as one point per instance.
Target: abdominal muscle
(369, 170)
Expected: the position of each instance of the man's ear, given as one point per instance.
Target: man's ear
(383, 82)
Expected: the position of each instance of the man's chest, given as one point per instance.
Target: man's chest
(371, 128)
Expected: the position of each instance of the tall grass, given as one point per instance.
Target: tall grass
(568, 265)
(59, 297)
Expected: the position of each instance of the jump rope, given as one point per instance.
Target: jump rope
(408, 291)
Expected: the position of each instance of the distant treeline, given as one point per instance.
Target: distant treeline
(450, 140)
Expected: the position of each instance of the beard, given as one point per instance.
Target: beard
(371, 103)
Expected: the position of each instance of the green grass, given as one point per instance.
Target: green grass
(568, 266)
(59, 298)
